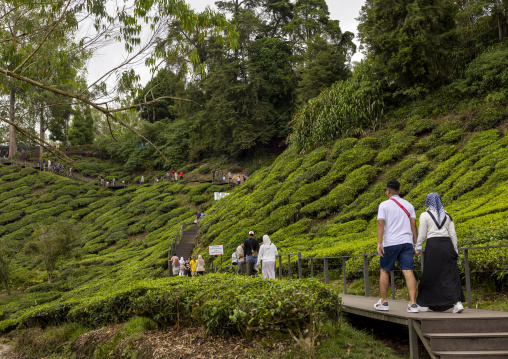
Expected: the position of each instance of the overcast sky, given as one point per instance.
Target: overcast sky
(346, 11)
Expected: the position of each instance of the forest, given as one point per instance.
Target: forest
(262, 88)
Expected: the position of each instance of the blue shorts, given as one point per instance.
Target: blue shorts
(403, 252)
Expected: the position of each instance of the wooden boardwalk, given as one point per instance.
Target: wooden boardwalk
(473, 334)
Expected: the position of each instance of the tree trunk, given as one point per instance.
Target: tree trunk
(67, 133)
(12, 131)
(41, 132)
(502, 25)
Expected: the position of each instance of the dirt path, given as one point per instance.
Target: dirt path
(5, 351)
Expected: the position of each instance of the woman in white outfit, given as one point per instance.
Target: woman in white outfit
(267, 253)
(440, 287)
(182, 266)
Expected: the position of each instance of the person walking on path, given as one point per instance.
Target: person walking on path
(251, 249)
(440, 288)
(267, 254)
(193, 266)
(200, 265)
(182, 267)
(240, 255)
(396, 233)
(142, 181)
(176, 265)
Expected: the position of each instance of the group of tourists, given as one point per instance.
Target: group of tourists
(249, 252)
(190, 267)
(220, 177)
(398, 239)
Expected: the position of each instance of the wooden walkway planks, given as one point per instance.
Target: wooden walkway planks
(474, 333)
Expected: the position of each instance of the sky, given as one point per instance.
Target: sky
(346, 11)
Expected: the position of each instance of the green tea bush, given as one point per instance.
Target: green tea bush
(487, 118)
(341, 146)
(419, 126)
(11, 217)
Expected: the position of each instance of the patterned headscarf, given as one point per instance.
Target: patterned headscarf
(436, 209)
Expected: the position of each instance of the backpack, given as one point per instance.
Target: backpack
(234, 258)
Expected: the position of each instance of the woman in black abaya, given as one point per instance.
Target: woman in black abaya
(440, 288)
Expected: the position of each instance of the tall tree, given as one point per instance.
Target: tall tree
(410, 40)
(82, 128)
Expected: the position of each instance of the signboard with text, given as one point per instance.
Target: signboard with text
(216, 250)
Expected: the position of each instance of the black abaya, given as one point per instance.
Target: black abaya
(440, 287)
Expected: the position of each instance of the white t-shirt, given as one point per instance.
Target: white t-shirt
(397, 224)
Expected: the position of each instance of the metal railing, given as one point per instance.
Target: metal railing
(293, 265)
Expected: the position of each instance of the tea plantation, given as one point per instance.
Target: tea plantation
(322, 202)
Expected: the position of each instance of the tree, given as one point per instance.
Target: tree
(411, 41)
(124, 24)
(82, 128)
(53, 244)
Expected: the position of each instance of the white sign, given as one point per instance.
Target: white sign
(219, 195)
(217, 250)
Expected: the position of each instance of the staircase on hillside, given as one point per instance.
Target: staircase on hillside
(471, 338)
(187, 243)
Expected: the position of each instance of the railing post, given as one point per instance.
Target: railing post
(326, 270)
(312, 267)
(289, 266)
(280, 266)
(344, 274)
(366, 275)
(392, 283)
(468, 278)
(299, 265)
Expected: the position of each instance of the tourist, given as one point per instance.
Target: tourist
(187, 267)
(181, 176)
(238, 180)
(230, 176)
(198, 217)
(267, 254)
(182, 266)
(440, 288)
(251, 249)
(240, 256)
(193, 266)
(200, 265)
(142, 181)
(167, 176)
(396, 233)
(176, 265)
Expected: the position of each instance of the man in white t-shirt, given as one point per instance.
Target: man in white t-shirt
(396, 234)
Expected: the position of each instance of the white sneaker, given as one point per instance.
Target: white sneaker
(412, 308)
(458, 308)
(422, 309)
(381, 306)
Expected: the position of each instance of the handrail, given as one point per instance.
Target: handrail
(467, 271)
(174, 243)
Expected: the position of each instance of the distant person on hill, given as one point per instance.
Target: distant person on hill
(251, 248)
(193, 266)
(240, 256)
(167, 176)
(238, 180)
(396, 233)
(267, 253)
(181, 176)
(440, 288)
(182, 267)
(198, 217)
(142, 182)
(176, 265)
(200, 265)
(230, 176)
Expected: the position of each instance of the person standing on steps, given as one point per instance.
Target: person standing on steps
(440, 288)
(240, 256)
(193, 266)
(200, 265)
(396, 234)
(176, 265)
(182, 267)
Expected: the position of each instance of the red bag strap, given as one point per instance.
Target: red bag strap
(402, 207)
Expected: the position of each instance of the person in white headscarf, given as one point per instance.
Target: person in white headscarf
(267, 254)
(440, 286)
(182, 266)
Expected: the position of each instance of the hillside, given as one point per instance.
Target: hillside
(324, 202)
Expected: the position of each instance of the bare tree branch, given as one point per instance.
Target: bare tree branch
(151, 102)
